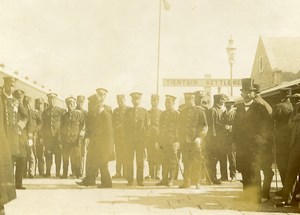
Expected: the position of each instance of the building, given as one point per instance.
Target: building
(277, 61)
(31, 88)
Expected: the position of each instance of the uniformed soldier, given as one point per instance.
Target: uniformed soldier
(293, 166)
(34, 122)
(7, 188)
(71, 135)
(153, 153)
(168, 141)
(227, 119)
(281, 114)
(99, 133)
(119, 136)
(202, 176)
(267, 154)
(136, 124)
(50, 134)
(192, 128)
(20, 159)
(214, 152)
(83, 146)
(40, 148)
(249, 137)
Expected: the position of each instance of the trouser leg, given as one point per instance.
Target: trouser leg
(105, 175)
(58, 158)
(19, 171)
(75, 160)
(140, 164)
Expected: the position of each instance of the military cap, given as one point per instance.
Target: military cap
(154, 96)
(120, 96)
(171, 97)
(18, 93)
(136, 95)
(230, 101)
(27, 98)
(70, 98)
(189, 95)
(219, 96)
(248, 84)
(200, 93)
(80, 98)
(9, 79)
(52, 95)
(98, 90)
(286, 92)
(257, 88)
(39, 101)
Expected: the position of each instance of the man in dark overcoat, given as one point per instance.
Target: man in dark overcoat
(248, 134)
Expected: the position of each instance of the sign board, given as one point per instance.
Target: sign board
(201, 82)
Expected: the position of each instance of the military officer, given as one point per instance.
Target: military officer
(202, 176)
(293, 166)
(192, 128)
(34, 120)
(168, 141)
(153, 153)
(11, 107)
(281, 114)
(136, 124)
(99, 132)
(71, 135)
(119, 136)
(83, 146)
(248, 135)
(7, 188)
(213, 145)
(267, 155)
(50, 134)
(227, 119)
(40, 148)
(20, 159)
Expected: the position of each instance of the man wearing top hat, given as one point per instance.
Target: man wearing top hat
(249, 137)
(227, 119)
(213, 145)
(83, 146)
(192, 128)
(51, 117)
(119, 136)
(99, 134)
(40, 148)
(153, 153)
(267, 155)
(71, 135)
(281, 114)
(168, 142)
(136, 124)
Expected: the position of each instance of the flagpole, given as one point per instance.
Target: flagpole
(158, 49)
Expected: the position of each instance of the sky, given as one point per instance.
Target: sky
(75, 46)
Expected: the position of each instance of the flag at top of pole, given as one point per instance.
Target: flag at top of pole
(166, 4)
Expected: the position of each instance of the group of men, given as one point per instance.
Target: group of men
(241, 133)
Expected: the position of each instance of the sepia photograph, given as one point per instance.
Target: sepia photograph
(149, 107)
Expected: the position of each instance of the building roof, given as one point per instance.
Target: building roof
(283, 53)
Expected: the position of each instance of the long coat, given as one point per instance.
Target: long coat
(100, 132)
(7, 184)
(247, 127)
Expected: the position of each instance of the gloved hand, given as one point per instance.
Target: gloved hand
(198, 142)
